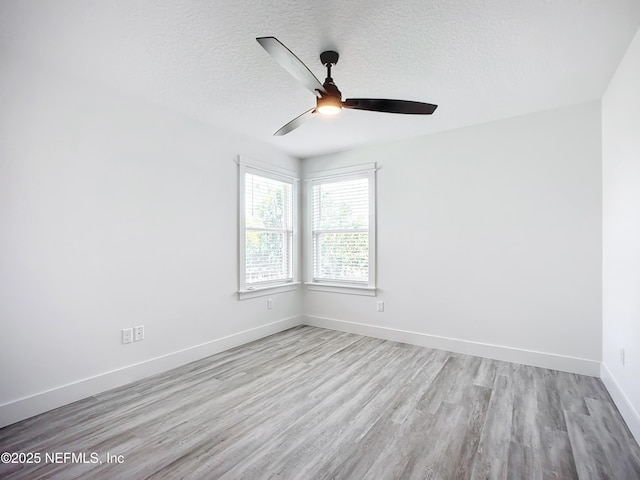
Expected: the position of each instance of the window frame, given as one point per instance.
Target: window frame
(272, 172)
(329, 176)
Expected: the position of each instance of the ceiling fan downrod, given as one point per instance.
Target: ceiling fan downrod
(329, 59)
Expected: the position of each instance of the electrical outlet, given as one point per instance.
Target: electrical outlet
(622, 356)
(380, 306)
(127, 335)
(138, 333)
(269, 303)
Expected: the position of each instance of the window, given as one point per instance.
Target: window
(341, 236)
(267, 229)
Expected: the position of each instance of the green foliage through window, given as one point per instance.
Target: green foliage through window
(268, 229)
(341, 230)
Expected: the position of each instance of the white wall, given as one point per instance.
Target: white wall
(621, 236)
(114, 213)
(488, 241)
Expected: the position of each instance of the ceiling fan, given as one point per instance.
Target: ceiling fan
(328, 97)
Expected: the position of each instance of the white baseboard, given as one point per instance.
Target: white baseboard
(527, 357)
(26, 407)
(628, 412)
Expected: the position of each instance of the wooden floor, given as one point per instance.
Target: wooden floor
(310, 403)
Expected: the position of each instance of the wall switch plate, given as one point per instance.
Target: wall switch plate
(138, 333)
(622, 356)
(269, 303)
(380, 306)
(127, 335)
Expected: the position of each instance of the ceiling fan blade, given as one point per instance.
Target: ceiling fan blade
(390, 106)
(295, 123)
(292, 64)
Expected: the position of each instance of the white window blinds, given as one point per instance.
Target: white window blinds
(341, 229)
(268, 214)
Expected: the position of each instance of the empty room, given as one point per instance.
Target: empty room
(319, 240)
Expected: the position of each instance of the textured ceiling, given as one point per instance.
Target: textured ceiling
(478, 60)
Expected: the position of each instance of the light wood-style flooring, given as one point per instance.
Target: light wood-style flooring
(310, 403)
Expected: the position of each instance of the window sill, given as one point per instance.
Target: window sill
(267, 290)
(339, 288)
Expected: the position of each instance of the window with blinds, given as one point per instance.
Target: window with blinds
(268, 231)
(342, 229)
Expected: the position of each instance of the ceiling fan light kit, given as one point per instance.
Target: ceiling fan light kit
(328, 97)
(328, 105)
